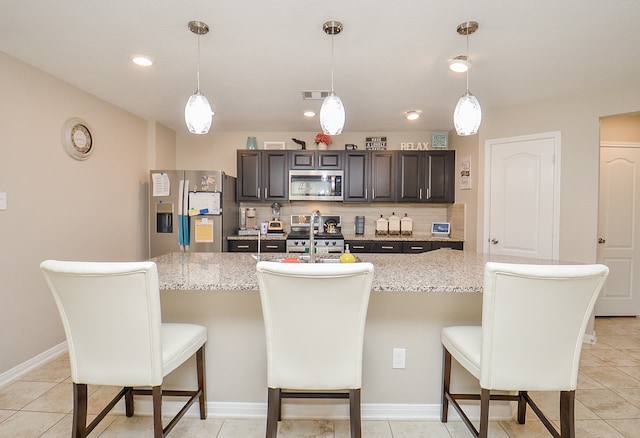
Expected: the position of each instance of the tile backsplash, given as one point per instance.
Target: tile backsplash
(423, 215)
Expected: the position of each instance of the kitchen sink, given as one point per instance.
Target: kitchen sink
(298, 259)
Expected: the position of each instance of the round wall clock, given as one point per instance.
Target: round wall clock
(76, 138)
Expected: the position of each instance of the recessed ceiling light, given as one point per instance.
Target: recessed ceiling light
(459, 64)
(309, 114)
(142, 61)
(412, 115)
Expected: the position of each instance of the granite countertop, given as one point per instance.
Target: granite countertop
(444, 270)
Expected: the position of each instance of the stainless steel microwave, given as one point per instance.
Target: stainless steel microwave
(315, 185)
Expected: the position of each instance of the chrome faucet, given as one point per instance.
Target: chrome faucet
(315, 215)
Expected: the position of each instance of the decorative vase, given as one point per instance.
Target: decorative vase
(252, 143)
(322, 146)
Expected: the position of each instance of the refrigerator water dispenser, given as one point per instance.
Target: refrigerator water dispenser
(164, 217)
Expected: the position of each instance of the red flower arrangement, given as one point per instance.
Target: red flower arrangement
(323, 138)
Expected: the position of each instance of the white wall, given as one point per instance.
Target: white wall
(59, 207)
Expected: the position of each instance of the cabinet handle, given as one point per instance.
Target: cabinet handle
(420, 195)
(259, 193)
(428, 192)
(366, 190)
(242, 246)
(357, 246)
(265, 193)
(417, 247)
(387, 247)
(272, 246)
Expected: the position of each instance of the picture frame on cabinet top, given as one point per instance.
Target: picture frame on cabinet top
(440, 140)
(274, 145)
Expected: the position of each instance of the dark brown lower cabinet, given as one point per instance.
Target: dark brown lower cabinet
(400, 246)
(252, 246)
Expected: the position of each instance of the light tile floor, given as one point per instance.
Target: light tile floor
(607, 404)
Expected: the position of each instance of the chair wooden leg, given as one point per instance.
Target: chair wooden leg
(200, 366)
(567, 419)
(79, 411)
(274, 401)
(522, 407)
(446, 379)
(484, 413)
(355, 413)
(156, 393)
(128, 401)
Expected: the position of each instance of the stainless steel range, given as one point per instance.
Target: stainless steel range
(328, 236)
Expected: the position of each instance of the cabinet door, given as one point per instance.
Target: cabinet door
(382, 177)
(330, 160)
(249, 182)
(303, 160)
(275, 176)
(411, 180)
(441, 167)
(356, 176)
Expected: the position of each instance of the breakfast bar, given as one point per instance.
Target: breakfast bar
(414, 296)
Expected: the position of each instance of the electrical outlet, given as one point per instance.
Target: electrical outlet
(399, 355)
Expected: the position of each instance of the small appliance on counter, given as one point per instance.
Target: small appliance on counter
(248, 222)
(382, 226)
(275, 225)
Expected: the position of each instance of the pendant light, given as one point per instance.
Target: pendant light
(332, 113)
(468, 115)
(197, 112)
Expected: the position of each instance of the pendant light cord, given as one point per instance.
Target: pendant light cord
(198, 72)
(468, 57)
(332, 36)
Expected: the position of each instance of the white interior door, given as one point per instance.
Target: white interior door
(521, 209)
(619, 230)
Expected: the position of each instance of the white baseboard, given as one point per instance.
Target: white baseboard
(323, 409)
(328, 411)
(24, 368)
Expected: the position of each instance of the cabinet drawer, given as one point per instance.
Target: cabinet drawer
(359, 246)
(416, 247)
(243, 246)
(387, 246)
(273, 246)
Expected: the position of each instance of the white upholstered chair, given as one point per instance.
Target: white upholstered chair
(111, 318)
(533, 321)
(314, 317)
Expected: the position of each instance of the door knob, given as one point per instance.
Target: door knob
(601, 240)
(494, 241)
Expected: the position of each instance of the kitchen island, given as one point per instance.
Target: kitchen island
(415, 295)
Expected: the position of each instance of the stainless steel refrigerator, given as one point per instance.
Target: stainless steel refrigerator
(191, 210)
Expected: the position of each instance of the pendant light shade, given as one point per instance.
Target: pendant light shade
(197, 113)
(467, 115)
(332, 114)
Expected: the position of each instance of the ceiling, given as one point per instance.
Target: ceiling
(261, 54)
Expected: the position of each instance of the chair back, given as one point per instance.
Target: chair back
(314, 317)
(112, 321)
(533, 322)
